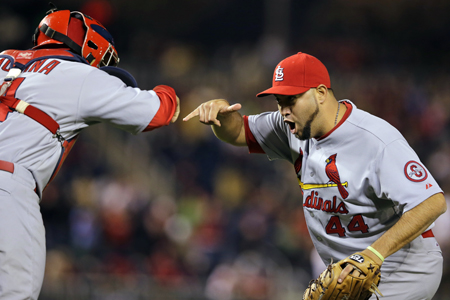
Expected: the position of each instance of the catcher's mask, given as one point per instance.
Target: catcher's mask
(81, 33)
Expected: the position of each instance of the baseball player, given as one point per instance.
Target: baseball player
(49, 94)
(364, 188)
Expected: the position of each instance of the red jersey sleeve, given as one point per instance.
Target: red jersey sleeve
(167, 108)
(253, 146)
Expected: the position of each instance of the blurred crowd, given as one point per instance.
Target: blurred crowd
(177, 214)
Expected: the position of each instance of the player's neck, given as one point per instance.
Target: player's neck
(331, 118)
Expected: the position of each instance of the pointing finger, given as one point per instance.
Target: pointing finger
(194, 113)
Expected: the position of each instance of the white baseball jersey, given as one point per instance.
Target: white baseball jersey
(356, 181)
(75, 95)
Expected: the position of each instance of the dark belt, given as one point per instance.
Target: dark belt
(7, 166)
(428, 234)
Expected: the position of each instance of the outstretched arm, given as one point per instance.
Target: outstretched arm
(227, 123)
(169, 108)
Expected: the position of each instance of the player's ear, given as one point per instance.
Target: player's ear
(321, 93)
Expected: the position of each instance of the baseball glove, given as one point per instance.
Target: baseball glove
(326, 287)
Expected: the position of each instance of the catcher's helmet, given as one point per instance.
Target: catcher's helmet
(81, 33)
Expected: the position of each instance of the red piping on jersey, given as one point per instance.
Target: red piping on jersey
(253, 146)
(347, 113)
(166, 109)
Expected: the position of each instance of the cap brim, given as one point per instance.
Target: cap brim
(283, 90)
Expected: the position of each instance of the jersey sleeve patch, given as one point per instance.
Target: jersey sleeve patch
(415, 171)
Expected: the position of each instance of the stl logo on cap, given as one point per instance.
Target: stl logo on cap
(279, 74)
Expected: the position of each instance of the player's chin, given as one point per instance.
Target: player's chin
(299, 136)
(304, 134)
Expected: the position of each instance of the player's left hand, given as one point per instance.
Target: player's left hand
(350, 268)
(355, 277)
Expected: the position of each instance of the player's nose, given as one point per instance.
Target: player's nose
(285, 111)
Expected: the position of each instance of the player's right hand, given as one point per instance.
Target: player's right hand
(209, 112)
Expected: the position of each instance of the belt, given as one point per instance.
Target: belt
(9, 167)
(6, 166)
(428, 234)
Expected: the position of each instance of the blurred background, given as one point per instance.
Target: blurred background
(176, 214)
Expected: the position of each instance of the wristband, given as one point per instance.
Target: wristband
(376, 253)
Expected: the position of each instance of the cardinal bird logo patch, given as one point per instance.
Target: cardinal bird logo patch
(333, 174)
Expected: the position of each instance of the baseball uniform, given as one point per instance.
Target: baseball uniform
(75, 95)
(356, 183)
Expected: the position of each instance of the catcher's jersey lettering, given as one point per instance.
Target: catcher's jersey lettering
(5, 64)
(35, 66)
(42, 66)
(11, 91)
(73, 106)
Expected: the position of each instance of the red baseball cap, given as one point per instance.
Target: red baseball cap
(297, 74)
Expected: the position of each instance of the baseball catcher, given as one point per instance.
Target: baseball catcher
(361, 282)
(67, 82)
